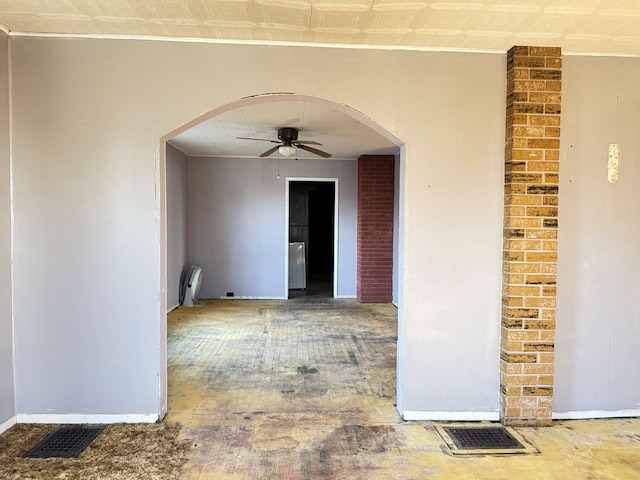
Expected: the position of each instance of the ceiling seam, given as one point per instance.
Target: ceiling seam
(272, 43)
(263, 43)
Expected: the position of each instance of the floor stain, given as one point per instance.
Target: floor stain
(295, 390)
(304, 370)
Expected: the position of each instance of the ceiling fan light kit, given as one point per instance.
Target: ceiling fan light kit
(287, 150)
(289, 143)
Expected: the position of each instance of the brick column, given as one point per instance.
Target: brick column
(534, 80)
(375, 228)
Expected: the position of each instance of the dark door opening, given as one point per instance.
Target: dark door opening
(311, 221)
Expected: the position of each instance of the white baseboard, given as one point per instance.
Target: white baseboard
(451, 415)
(69, 418)
(583, 415)
(472, 416)
(7, 424)
(273, 298)
(171, 309)
(253, 298)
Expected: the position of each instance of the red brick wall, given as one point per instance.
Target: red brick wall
(375, 228)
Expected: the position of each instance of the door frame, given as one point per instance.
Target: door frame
(335, 182)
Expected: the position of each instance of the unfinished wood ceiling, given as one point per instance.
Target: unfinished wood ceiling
(585, 26)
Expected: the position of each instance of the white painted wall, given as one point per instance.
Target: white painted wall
(237, 222)
(177, 223)
(7, 396)
(88, 116)
(598, 324)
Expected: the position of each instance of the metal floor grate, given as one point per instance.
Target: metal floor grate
(64, 442)
(487, 439)
(482, 438)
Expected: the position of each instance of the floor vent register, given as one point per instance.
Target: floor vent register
(65, 442)
(483, 440)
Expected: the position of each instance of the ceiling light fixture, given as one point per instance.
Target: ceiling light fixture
(287, 150)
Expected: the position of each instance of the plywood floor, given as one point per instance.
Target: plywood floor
(305, 389)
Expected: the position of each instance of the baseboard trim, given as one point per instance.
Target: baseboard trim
(274, 298)
(171, 309)
(7, 424)
(74, 418)
(252, 298)
(587, 414)
(451, 415)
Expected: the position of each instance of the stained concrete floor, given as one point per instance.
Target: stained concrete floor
(305, 389)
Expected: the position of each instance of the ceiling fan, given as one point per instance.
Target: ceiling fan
(288, 140)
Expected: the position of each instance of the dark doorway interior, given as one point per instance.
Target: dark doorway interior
(311, 220)
(321, 231)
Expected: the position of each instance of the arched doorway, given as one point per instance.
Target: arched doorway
(273, 168)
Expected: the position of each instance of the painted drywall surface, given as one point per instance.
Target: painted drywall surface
(177, 223)
(237, 229)
(453, 179)
(598, 311)
(7, 396)
(89, 113)
(86, 236)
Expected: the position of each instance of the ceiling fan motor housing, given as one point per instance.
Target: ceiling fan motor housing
(288, 134)
(288, 137)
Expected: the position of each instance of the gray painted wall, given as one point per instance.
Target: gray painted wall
(598, 325)
(177, 223)
(88, 114)
(86, 230)
(7, 397)
(237, 229)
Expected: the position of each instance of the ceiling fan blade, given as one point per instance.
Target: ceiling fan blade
(258, 139)
(270, 151)
(315, 150)
(306, 142)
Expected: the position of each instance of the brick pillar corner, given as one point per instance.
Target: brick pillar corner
(534, 81)
(376, 181)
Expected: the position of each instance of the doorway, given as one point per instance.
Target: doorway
(312, 230)
(342, 266)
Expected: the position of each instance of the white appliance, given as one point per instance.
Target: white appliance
(190, 288)
(297, 267)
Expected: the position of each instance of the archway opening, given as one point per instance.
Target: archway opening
(272, 173)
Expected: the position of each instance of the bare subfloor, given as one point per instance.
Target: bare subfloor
(305, 389)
